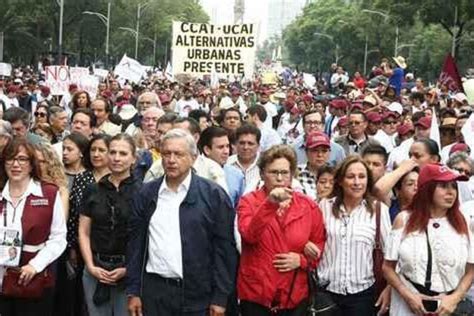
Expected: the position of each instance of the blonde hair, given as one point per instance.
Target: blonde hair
(54, 171)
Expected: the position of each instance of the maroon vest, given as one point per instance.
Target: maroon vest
(36, 219)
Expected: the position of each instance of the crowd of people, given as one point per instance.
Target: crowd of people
(185, 198)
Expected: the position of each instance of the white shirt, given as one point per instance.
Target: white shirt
(347, 258)
(165, 255)
(251, 174)
(399, 154)
(269, 138)
(450, 252)
(387, 141)
(271, 112)
(56, 242)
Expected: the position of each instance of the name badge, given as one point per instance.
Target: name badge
(39, 202)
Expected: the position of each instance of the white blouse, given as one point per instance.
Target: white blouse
(450, 253)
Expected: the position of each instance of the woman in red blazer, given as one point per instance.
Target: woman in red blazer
(276, 223)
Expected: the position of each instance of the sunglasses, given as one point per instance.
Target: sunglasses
(40, 114)
(390, 122)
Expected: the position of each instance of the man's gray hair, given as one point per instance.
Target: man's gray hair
(5, 128)
(154, 96)
(458, 157)
(183, 134)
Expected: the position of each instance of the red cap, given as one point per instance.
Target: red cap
(106, 94)
(12, 89)
(404, 129)
(424, 122)
(72, 87)
(316, 139)
(295, 110)
(164, 98)
(459, 147)
(338, 104)
(374, 117)
(439, 173)
(343, 121)
(45, 90)
(388, 114)
(357, 106)
(307, 98)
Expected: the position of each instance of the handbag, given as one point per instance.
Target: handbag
(377, 255)
(35, 289)
(320, 301)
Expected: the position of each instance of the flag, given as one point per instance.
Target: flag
(434, 131)
(467, 131)
(169, 72)
(130, 69)
(450, 75)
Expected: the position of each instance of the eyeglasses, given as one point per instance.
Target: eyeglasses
(390, 122)
(313, 123)
(40, 114)
(276, 173)
(22, 161)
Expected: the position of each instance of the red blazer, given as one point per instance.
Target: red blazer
(264, 235)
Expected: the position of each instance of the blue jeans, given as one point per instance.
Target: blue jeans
(117, 306)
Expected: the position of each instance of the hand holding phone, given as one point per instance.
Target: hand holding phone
(430, 306)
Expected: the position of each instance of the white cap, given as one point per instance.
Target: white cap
(460, 97)
(395, 107)
(127, 111)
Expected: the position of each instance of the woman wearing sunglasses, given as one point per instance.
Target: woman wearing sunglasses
(41, 114)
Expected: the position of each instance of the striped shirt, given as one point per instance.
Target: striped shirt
(251, 174)
(347, 263)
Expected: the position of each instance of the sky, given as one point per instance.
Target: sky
(222, 12)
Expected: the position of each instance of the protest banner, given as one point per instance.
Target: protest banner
(450, 75)
(5, 69)
(58, 79)
(129, 69)
(201, 49)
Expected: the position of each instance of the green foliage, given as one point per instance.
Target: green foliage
(425, 34)
(32, 26)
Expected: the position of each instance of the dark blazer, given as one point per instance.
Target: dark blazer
(207, 241)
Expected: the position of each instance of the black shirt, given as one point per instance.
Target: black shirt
(109, 209)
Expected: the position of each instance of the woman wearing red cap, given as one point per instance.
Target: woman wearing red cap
(432, 248)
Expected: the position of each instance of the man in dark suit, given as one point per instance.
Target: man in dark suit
(181, 253)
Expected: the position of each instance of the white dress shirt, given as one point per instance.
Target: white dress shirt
(346, 263)
(56, 242)
(165, 255)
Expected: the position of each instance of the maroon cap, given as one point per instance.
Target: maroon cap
(295, 110)
(338, 104)
(374, 117)
(106, 94)
(424, 122)
(404, 129)
(316, 139)
(45, 90)
(289, 104)
(357, 106)
(439, 173)
(12, 89)
(459, 147)
(343, 121)
(388, 114)
(164, 98)
(72, 87)
(307, 98)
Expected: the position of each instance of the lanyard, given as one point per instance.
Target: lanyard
(5, 203)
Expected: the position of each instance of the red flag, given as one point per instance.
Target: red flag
(450, 76)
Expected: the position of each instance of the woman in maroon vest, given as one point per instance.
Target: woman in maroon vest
(34, 210)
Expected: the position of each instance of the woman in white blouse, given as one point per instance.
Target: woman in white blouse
(430, 252)
(346, 264)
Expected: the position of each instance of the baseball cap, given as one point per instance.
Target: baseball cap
(370, 100)
(316, 139)
(338, 104)
(343, 121)
(459, 147)
(460, 97)
(449, 122)
(374, 117)
(395, 107)
(404, 129)
(424, 122)
(439, 173)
